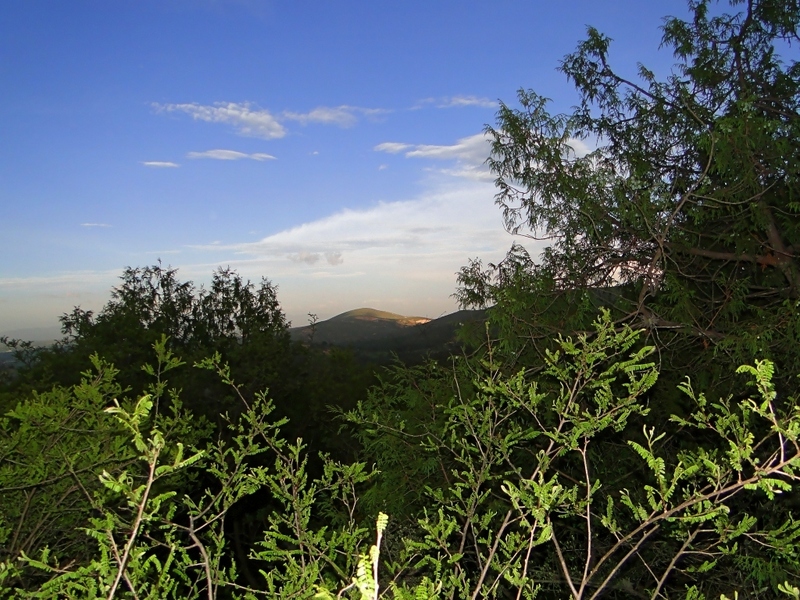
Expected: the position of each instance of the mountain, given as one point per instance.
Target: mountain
(356, 326)
(377, 336)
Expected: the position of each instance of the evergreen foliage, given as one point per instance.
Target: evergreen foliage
(687, 206)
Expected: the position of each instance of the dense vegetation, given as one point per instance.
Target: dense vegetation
(626, 425)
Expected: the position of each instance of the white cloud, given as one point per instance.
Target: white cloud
(334, 258)
(454, 221)
(247, 119)
(256, 122)
(160, 164)
(579, 147)
(229, 155)
(392, 147)
(457, 102)
(308, 258)
(402, 256)
(474, 172)
(473, 149)
(95, 225)
(343, 116)
(470, 154)
(396, 256)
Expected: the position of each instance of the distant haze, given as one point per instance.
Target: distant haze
(35, 334)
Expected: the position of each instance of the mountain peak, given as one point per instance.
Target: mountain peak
(372, 314)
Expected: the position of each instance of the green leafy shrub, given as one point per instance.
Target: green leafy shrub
(556, 483)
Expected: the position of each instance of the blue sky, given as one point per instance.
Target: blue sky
(333, 147)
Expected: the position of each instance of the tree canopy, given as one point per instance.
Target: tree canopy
(687, 204)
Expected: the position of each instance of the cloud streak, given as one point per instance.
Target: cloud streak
(95, 225)
(311, 258)
(392, 147)
(469, 153)
(343, 116)
(247, 119)
(160, 164)
(445, 223)
(400, 256)
(230, 155)
(457, 102)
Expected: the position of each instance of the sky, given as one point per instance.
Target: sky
(335, 148)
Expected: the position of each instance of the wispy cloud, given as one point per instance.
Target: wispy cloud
(457, 102)
(95, 225)
(334, 258)
(580, 147)
(308, 258)
(392, 147)
(245, 117)
(343, 116)
(399, 256)
(448, 222)
(160, 164)
(311, 258)
(249, 120)
(474, 149)
(230, 155)
(470, 154)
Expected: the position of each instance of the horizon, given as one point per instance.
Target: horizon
(336, 150)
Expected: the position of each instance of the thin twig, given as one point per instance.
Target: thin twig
(562, 561)
(206, 562)
(136, 524)
(671, 565)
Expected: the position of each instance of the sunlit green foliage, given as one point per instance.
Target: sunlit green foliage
(546, 486)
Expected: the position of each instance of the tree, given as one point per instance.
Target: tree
(240, 320)
(686, 209)
(152, 302)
